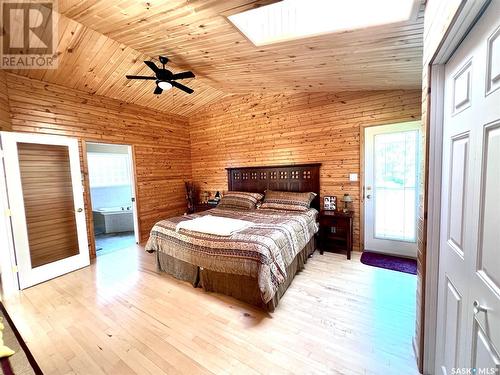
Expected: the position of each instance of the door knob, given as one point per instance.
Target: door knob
(79, 210)
(369, 196)
(478, 307)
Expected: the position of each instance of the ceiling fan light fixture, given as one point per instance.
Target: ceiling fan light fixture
(164, 78)
(164, 85)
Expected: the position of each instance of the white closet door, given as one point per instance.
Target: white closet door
(469, 270)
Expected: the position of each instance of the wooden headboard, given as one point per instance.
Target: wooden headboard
(299, 177)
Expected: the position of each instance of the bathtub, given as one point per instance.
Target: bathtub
(113, 219)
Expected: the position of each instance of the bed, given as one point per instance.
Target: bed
(257, 264)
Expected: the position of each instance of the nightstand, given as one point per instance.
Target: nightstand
(335, 231)
(199, 207)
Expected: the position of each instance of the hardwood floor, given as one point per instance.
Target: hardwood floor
(120, 316)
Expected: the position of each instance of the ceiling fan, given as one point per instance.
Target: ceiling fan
(165, 79)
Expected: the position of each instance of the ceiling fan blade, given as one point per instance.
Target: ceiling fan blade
(152, 66)
(157, 91)
(182, 87)
(140, 77)
(183, 75)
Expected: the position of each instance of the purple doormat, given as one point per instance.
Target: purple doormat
(389, 262)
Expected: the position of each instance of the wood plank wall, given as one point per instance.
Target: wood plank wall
(283, 129)
(438, 17)
(160, 141)
(4, 103)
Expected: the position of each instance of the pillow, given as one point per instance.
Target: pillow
(287, 200)
(240, 200)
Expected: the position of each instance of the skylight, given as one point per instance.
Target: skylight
(295, 19)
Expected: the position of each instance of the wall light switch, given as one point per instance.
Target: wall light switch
(353, 177)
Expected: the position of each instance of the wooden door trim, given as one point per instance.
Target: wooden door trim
(136, 185)
(88, 198)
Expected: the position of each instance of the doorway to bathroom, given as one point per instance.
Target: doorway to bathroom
(112, 193)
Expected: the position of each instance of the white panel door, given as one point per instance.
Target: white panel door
(45, 196)
(469, 269)
(391, 188)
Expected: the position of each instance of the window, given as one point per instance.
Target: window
(108, 169)
(295, 19)
(396, 185)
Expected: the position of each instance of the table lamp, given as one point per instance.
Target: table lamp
(346, 199)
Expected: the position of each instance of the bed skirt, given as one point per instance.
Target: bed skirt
(241, 287)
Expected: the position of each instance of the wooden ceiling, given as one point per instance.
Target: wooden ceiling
(102, 40)
(95, 63)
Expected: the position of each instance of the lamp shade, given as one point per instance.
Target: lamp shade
(346, 198)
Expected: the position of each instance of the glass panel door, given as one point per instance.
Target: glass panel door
(391, 188)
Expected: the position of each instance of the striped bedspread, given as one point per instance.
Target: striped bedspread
(262, 251)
